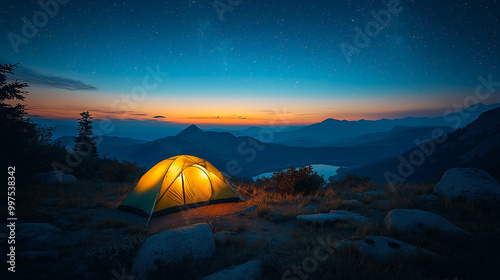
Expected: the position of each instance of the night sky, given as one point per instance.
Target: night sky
(261, 59)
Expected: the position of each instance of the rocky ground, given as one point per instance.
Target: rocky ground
(355, 231)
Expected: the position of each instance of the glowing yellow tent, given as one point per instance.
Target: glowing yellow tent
(176, 182)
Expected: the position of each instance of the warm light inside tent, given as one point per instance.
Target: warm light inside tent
(152, 178)
(180, 180)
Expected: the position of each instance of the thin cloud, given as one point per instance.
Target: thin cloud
(158, 117)
(97, 112)
(230, 117)
(305, 114)
(272, 112)
(32, 76)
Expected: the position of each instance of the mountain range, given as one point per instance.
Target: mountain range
(245, 156)
(360, 143)
(331, 132)
(475, 145)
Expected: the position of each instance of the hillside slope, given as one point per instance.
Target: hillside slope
(331, 130)
(246, 156)
(476, 145)
(399, 135)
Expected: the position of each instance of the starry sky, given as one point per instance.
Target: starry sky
(181, 62)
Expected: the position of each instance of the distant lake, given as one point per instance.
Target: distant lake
(322, 169)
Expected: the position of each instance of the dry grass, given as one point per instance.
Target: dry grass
(221, 225)
(271, 198)
(475, 258)
(460, 256)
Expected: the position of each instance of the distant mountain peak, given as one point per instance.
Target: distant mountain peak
(190, 131)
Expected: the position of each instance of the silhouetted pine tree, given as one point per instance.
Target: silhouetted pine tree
(26, 145)
(85, 143)
(15, 129)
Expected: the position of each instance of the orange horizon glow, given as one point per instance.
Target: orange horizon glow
(211, 119)
(239, 111)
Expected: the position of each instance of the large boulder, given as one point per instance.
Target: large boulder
(332, 217)
(54, 177)
(414, 220)
(381, 247)
(194, 241)
(251, 270)
(468, 183)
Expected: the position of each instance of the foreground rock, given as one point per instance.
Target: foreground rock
(468, 183)
(382, 248)
(54, 177)
(332, 217)
(194, 241)
(248, 271)
(37, 236)
(407, 220)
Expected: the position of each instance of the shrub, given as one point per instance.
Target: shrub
(121, 171)
(106, 169)
(294, 180)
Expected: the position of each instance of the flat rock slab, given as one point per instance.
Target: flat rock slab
(332, 217)
(194, 241)
(468, 183)
(382, 248)
(413, 220)
(251, 270)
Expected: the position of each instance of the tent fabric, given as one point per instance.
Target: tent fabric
(178, 182)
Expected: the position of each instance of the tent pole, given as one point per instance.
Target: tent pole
(152, 208)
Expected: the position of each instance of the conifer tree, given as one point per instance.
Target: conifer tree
(85, 142)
